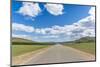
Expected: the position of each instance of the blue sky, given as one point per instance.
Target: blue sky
(50, 22)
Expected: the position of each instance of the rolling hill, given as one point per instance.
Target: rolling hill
(21, 41)
(81, 40)
(14, 39)
(85, 40)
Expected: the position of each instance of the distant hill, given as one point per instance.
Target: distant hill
(21, 41)
(81, 40)
(14, 39)
(85, 39)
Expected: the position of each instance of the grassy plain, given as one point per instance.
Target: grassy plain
(86, 47)
(22, 49)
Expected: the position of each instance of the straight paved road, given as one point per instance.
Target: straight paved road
(59, 53)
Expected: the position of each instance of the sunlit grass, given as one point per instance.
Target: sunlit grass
(22, 49)
(86, 47)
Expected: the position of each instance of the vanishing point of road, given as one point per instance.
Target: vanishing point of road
(59, 53)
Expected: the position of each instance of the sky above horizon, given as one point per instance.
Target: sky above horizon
(48, 22)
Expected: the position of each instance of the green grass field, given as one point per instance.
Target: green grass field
(22, 49)
(86, 47)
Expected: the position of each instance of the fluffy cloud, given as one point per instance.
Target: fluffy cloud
(84, 27)
(89, 32)
(50, 36)
(55, 9)
(56, 30)
(29, 9)
(88, 23)
(22, 27)
(32, 9)
(81, 28)
(90, 18)
(92, 11)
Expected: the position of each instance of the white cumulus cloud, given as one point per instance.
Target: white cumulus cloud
(55, 9)
(92, 11)
(50, 36)
(88, 23)
(22, 27)
(89, 32)
(29, 9)
(83, 27)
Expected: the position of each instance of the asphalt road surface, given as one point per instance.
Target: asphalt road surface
(59, 53)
